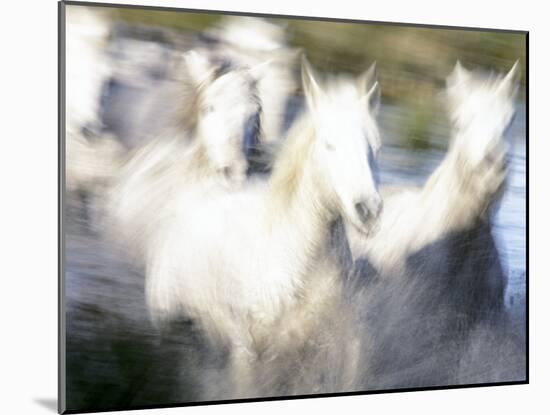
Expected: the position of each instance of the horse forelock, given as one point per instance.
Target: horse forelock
(192, 94)
(342, 92)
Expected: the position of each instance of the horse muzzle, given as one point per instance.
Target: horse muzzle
(368, 211)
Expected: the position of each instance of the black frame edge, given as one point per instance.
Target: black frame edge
(61, 347)
(527, 207)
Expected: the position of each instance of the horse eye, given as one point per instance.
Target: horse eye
(329, 146)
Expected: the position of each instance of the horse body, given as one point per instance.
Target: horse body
(434, 298)
(233, 255)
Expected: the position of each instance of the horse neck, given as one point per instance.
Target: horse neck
(451, 192)
(298, 199)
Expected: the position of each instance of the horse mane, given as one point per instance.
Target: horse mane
(288, 166)
(187, 110)
(196, 163)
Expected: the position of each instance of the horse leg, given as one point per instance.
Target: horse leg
(241, 369)
(229, 332)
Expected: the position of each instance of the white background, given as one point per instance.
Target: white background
(28, 205)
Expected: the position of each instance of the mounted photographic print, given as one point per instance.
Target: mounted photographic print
(259, 207)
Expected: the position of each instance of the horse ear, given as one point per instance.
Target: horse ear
(508, 85)
(312, 91)
(457, 82)
(367, 79)
(372, 98)
(198, 66)
(459, 76)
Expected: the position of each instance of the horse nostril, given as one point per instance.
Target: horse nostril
(227, 172)
(362, 210)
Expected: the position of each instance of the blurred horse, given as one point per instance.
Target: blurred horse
(247, 261)
(87, 67)
(469, 180)
(218, 106)
(435, 284)
(250, 41)
(141, 95)
(91, 159)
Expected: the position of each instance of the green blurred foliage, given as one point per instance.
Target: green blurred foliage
(181, 21)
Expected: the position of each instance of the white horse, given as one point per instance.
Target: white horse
(251, 260)
(435, 315)
(467, 182)
(204, 142)
(91, 159)
(250, 41)
(86, 65)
